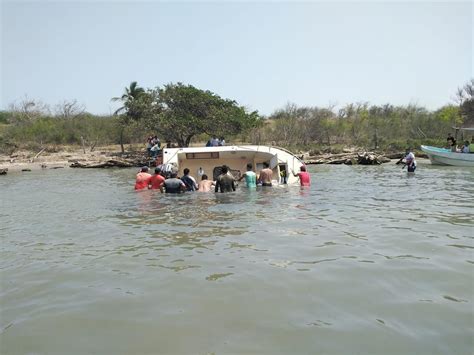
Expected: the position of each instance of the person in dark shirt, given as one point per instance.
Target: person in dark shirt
(225, 182)
(189, 181)
(451, 142)
(173, 185)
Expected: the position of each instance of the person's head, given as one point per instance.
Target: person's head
(225, 169)
(157, 170)
(303, 168)
(186, 171)
(265, 165)
(249, 166)
(173, 174)
(466, 143)
(144, 169)
(204, 177)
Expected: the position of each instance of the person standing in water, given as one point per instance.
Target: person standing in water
(266, 175)
(143, 179)
(156, 180)
(189, 181)
(249, 176)
(305, 179)
(409, 161)
(173, 185)
(205, 184)
(225, 182)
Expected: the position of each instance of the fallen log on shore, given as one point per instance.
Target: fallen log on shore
(110, 163)
(365, 158)
(104, 164)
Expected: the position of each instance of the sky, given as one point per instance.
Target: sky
(261, 54)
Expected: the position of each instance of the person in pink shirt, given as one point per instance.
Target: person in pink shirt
(156, 180)
(305, 179)
(143, 179)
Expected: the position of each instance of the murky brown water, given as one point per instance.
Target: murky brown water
(367, 261)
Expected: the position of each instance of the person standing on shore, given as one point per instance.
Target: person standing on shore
(225, 182)
(249, 176)
(305, 179)
(265, 176)
(143, 179)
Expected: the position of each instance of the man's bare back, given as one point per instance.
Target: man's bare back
(205, 185)
(266, 176)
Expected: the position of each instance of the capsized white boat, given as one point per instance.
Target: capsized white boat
(209, 160)
(444, 156)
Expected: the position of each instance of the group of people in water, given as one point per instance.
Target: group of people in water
(166, 178)
(167, 181)
(465, 148)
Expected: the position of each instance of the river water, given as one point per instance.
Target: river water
(369, 260)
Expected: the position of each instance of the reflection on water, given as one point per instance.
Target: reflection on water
(368, 259)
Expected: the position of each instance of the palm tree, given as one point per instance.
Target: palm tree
(131, 93)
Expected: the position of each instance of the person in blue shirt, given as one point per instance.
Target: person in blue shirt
(250, 177)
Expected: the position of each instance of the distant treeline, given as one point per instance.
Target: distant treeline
(386, 127)
(32, 125)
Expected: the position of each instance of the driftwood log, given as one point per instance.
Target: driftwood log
(110, 163)
(365, 158)
(104, 164)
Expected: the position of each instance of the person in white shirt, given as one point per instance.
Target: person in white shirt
(200, 173)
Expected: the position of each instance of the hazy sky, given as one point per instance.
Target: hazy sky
(261, 54)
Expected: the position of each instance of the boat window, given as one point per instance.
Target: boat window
(206, 155)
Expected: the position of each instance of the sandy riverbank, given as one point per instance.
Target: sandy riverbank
(56, 158)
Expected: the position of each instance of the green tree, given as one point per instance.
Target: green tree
(130, 111)
(179, 112)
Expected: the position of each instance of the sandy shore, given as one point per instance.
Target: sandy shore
(52, 159)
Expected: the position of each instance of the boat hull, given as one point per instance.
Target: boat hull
(441, 156)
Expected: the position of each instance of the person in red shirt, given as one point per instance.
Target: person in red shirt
(305, 179)
(156, 180)
(143, 179)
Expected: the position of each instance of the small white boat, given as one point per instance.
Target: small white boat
(442, 156)
(209, 160)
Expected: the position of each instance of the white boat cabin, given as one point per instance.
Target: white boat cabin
(209, 160)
